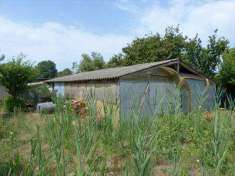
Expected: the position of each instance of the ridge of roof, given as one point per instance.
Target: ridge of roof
(109, 73)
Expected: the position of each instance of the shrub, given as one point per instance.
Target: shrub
(13, 104)
(37, 94)
(15, 76)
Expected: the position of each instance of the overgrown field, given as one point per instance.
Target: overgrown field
(65, 144)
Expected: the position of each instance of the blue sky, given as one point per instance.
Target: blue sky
(61, 30)
(92, 15)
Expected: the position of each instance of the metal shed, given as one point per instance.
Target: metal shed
(148, 89)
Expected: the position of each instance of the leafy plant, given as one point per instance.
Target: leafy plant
(14, 104)
(15, 76)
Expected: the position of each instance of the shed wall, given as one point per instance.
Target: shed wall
(148, 97)
(101, 90)
(211, 97)
(146, 93)
(201, 95)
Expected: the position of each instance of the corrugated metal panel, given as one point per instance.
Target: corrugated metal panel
(211, 97)
(148, 97)
(164, 97)
(202, 97)
(197, 88)
(130, 96)
(109, 73)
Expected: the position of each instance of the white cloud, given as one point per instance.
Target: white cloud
(127, 5)
(64, 44)
(55, 41)
(201, 17)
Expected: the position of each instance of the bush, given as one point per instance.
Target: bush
(15, 76)
(37, 94)
(14, 104)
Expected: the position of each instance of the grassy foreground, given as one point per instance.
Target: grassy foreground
(65, 144)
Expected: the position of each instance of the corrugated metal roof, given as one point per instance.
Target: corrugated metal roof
(109, 73)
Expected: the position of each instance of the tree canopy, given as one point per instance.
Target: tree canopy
(226, 76)
(116, 60)
(91, 62)
(15, 76)
(207, 59)
(46, 69)
(64, 72)
(152, 48)
(173, 44)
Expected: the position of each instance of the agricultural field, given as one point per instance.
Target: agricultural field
(64, 143)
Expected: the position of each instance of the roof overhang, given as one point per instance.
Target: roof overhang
(118, 72)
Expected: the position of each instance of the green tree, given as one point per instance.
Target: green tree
(98, 60)
(214, 51)
(173, 44)
(193, 51)
(206, 59)
(142, 50)
(64, 72)
(152, 48)
(46, 69)
(226, 76)
(15, 76)
(86, 63)
(115, 61)
(91, 62)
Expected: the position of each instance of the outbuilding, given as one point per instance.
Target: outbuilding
(150, 88)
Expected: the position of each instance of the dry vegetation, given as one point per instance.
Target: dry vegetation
(65, 144)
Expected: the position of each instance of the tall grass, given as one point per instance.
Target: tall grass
(170, 144)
